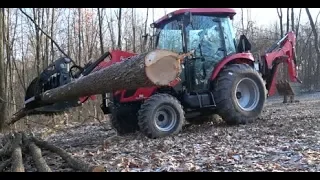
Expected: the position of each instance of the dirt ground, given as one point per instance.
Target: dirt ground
(285, 138)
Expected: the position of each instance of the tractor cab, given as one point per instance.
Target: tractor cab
(207, 31)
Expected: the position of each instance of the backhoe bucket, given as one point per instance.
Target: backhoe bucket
(284, 89)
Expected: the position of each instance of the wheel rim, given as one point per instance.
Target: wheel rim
(165, 118)
(247, 94)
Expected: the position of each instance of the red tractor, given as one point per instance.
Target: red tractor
(222, 77)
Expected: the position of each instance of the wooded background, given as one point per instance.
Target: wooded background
(84, 34)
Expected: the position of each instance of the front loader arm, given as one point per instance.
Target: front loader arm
(281, 52)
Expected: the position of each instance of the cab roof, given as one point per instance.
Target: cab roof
(214, 11)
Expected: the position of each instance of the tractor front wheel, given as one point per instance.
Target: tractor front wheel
(161, 115)
(240, 94)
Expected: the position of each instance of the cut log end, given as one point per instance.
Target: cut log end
(162, 67)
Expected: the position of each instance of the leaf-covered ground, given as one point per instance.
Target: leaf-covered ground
(285, 138)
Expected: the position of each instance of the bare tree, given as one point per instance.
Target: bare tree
(298, 23)
(79, 35)
(52, 34)
(316, 41)
(133, 30)
(315, 33)
(288, 19)
(36, 17)
(279, 11)
(110, 27)
(242, 20)
(34, 22)
(119, 28)
(3, 89)
(100, 31)
(292, 19)
(145, 35)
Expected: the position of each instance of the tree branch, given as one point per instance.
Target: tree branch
(55, 43)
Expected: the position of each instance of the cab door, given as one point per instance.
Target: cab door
(207, 40)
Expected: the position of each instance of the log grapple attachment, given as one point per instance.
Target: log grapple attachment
(57, 74)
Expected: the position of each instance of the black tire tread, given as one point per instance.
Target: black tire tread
(148, 107)
(225, 107)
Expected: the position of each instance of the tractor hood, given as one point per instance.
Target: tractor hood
(205, 11)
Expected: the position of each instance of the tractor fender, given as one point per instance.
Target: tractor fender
(235, 58)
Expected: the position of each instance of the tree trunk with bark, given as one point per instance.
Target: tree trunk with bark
(292, 19)
(279, 11)
(316, 42)
(3, 89)
(145, 35)
(36, 27)
(111, 32)
(119, 29)
(288, 19)
(158, 67)
(133, 30)
(100, 31)
(79, 35)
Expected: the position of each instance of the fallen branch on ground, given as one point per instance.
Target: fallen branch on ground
(36, 154)
(74, 163)
(4, 164)
(6, 150)
(15, 149)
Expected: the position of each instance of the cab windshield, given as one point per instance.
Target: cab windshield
(210, 36)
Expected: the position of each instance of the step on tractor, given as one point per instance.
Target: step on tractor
(221, 77)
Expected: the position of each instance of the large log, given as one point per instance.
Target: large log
(155, 68)
(76, 164)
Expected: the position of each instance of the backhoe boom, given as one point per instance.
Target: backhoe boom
(281, 52)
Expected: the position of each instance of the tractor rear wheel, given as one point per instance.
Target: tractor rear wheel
(240, 94)
(161, 115)
(124, 118)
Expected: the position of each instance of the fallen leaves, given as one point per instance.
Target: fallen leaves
(285, 138)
